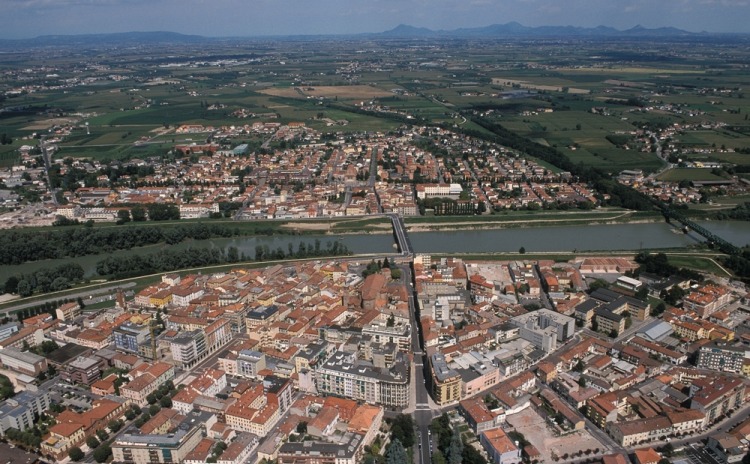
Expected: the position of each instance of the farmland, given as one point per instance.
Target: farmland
(575, 103)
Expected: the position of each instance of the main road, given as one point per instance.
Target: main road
(423, 412)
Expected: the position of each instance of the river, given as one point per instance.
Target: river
(565, 239)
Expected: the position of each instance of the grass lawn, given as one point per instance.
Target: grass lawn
(678, 174)
(698, 263)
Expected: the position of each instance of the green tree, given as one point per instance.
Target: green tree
(658, 309)
(123, 216)
(402, 429)
(456, 449)
(24, 288)
(115, 425)
(438, 458)
(75, 454)
(472, 456)
(138, 213)
(102, 453)
(302, 428)
(579, 367)
(597, 284)
(92, 442)
(396, 454)
(522, 250)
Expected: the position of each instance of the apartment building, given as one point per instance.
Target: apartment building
(346, 376)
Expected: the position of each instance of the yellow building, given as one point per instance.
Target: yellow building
(160, 299)
(446, 382)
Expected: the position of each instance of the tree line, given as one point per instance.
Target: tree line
(168, 260)
(740, 212)
(45, 280)
(304, 250)
(21, 246)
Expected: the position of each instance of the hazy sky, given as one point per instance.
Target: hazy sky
(30, 18)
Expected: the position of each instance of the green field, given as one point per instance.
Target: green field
(698, 263)
(678, 174)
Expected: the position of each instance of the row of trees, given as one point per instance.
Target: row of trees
(45, 280)
(28, 438)
(21, 246)
(304, 250)
(121, 267)
(46, 307)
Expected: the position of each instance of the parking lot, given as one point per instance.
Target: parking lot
(697, 454)
(77, 398)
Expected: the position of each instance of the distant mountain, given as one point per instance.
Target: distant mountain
(117, 38)
(511, 29)
(514, 29)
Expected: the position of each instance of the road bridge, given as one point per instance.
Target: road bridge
(402, 239)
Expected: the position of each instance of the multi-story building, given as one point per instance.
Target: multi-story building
(346, 376)
(72, 428)
(439, 190)
(218, 334)
(478, 415)
(23, 361)
(639, 431)
(189, 347)
(381, 333)
(250, 362)
(18, 412)
(311, 356)
(6, 330)
(609, 321)
(254, 411)
(139, 448)
(129, 336)
(239, 450)
(544, 328)
(68, 311)
(84, 369)
(182, 296)
(719, 356)
(348, 450)
(716, 395)
(445, 382)
(61, 438)
(279, 390)
(501, 449)
(31, 336)
(726, 448)
(146, 380)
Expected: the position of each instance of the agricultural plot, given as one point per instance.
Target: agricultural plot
(344, 92)
(678, 174)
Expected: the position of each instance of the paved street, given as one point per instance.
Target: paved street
(83, 293)
(424, 408)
